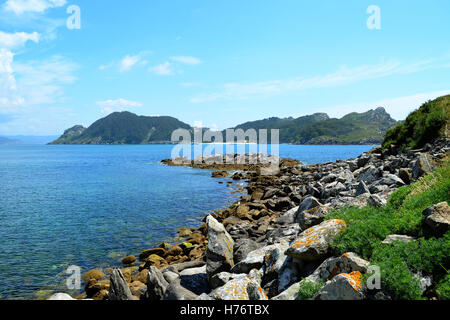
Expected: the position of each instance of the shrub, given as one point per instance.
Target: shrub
(443, 288)
(308, 289)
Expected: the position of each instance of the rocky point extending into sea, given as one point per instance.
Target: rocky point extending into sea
(262, 246)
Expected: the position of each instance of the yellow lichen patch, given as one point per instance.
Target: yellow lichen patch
(314, 234)
(354, 279)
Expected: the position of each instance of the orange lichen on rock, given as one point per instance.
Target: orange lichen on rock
(354, 279)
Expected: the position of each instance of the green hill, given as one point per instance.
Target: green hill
(124, 128)
(422, 126)
(355, 128)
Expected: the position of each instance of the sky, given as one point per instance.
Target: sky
(216, 63)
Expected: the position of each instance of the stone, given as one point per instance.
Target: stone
(242, 212)
(61, 297)
(170, 276)
(291, 293)
(195, 280)
(288, 217)
(129, 261)
(204, 297)
(347, 263)
(119, 289)
(314, 243)
(176, 292)
(220, 174)
(147, 253)
(174, 251)
(309, 203)
(376, 201)
(368, 174)
(138, 289)
(361, 189)
(155, 260)
(92, 274)
(240, 288)
(184, 232)
(396, 237)
(423, 165)
(311, 217)
(391, 180)
(255, 259)
(345, 286)
(437, 218)
(243, 248)
(219, 254)
(156, 284)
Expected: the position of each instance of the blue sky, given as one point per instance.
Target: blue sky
(220, 63)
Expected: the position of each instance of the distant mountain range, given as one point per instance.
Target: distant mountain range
(8, 140)
(127, 128)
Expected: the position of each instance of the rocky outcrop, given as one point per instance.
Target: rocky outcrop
(119, 289)
(437, 218)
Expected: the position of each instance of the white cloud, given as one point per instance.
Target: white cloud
(21, 6)
(164, 69)
(187, 60)
(129, 61)
(9, 96)
(110, 106)
(343, 76)
(18, 39)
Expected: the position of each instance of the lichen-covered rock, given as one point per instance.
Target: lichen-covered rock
(92, 274)
(423, 165)
(129, 261)
(347, 263)
(290, 293)
(345, 286)
(312, 217)
(438, 218)
(314, 243)
(240, 288)
(219, 254)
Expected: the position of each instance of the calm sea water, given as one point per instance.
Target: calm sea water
(91, 205)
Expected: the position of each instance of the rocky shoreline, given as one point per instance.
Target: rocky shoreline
(275, 237)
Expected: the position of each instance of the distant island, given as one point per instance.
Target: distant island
(318, 129)
(8, 141)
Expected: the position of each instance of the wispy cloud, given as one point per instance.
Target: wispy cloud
(21, 6)
(130, 61)
(186, 60)
(18, 39)
(110, 106)
(164, 69)
(343, 76)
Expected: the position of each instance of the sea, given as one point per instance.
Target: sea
(89, 206)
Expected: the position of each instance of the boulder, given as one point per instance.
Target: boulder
(119, 289)
(368, 174)
(422, 166)
(289, 294)
(129, 261)
(195, 280)
(219, 254)
(314, 243)
(243, 248)
(311, 217)
(255, 259)
(240, 288)
(175, 291)
(437, 218)
(92, 274)
(347, 263)
(309, 203)
(288, 217)
(138, 289)
(361, 189)
(156, 284)
(376, 201)
(170, 276)
(147, 253)
(345, 286)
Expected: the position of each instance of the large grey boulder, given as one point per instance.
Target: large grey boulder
(368, 174)
(255, 259)
(423, 165)
(311, 217)
(219, 254)
(243, 248)
(290, 293)
(437, 218)
(176, 292)
(314, 243)
(195, 280)
(156, 284)
(344, 286)
(119, 289)
(361, 189)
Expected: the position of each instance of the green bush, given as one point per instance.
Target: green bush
(308, 289)
(421, 126)
(443, 288)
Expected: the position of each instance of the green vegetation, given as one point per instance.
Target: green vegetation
(308, 289)
(421, 126)
(124, 128)
(399, 262)
(355, 128)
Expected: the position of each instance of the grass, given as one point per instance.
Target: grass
(368, 227)
(308, 289)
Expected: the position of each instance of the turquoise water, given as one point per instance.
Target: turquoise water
(91, 205)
